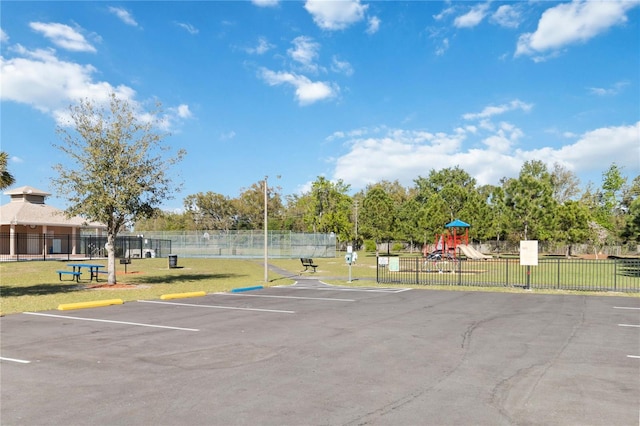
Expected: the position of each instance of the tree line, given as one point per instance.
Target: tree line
(541, 203)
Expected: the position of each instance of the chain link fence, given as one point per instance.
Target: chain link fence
(22, 246)
(246, 244)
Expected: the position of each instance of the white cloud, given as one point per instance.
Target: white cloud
(123, 15)
(265, 3)
(374, 25)
(227, 136)
(504, 138)
(16, 159)
(574, 22)
(342, 67)
(63, 36)
(507, 16)
(606, 145)
(610, 91)
(4, 38)
(306, 91)
(491, 110)
(183, 111)
(43, 81)
(335, 15)
(445, 12)
(38, 78)
(188, 27)
(403, 155)
(305, 52)
(261, 48)
(473, 17)
(443, 47)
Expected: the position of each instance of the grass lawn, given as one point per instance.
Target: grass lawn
(35, 286)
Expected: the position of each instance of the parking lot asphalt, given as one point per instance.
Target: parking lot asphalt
(314, 354)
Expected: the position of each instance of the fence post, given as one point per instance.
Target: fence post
(615, 274)
(417, 270)
(459, 272)
(506, 269)
(558, 280)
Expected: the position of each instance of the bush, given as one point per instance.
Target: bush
(370, 245)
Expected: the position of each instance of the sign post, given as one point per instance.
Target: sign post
(349, 259)
(528, 258)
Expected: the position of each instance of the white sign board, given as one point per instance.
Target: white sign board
(349, 249)
(529, 253)
(394, 264)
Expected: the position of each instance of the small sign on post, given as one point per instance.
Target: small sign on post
(349, 259)
(529, 257)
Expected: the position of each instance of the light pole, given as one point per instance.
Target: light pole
(266, 245)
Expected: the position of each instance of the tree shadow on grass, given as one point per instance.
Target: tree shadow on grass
(46, 289)
(39, 289)
(171, 279)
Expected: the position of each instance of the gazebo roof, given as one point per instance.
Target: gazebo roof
(26, 190)
(457, 224)
(27, 207)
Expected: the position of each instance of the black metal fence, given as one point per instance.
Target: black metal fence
(621, 275)
(61, 247)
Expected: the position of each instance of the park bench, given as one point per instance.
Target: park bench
(308, 263)
(75, 275)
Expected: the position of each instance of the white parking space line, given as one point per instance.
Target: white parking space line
(287, 297)
(21, 361)
(111, 322)
(629, 325)
(218, 307)
(626, 307)
(363, 290)
(633, 356)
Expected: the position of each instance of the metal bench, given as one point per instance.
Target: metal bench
(75, 275)
(308, 263)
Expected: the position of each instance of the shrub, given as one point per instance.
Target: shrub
(370, 245)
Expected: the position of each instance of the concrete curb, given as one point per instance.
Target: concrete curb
(92, 304)
(183, 295)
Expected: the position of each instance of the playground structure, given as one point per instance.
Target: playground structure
(453, 241)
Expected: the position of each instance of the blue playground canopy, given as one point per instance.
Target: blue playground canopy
(457, 224)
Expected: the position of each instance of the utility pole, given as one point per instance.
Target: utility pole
(355, 243)
(266, 240)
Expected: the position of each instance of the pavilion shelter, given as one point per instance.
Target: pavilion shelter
(28, 226)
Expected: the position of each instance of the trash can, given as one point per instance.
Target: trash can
(173, 261)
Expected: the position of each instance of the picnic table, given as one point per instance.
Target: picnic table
(94, 269)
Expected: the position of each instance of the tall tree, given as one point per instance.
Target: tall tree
(377, 214)
(329, 209)
(6, 178)
(453, 186)
(573, 221)
(531, 203)
(566, 185)
(118, 170)
(210, 211)
(250, 207)
(164, 221)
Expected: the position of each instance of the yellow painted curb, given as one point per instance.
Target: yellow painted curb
(93, 304)
(183, 295)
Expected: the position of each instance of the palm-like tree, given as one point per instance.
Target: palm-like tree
(6, 178)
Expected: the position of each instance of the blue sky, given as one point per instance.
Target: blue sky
(352, 90)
